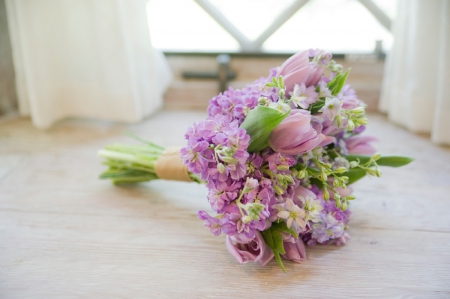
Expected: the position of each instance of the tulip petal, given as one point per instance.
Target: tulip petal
(297, 77)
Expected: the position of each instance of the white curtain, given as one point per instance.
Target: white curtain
(416, 87)
(85, 58)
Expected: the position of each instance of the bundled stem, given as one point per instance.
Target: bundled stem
(128, 164)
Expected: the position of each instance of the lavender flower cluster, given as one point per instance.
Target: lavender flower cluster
(294, 191)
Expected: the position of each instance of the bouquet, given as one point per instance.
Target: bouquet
(278, 158)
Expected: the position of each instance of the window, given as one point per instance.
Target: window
(340, 26)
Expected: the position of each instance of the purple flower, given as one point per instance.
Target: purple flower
(342, 240)
(254, 164)
(196, 156)
(250, 185)
(242, 232)
(254, 251)
(360, 145)
(295, 135)
(224, 194)
(359, 129)
(214, 224)
(328, 228)
(294, 251)
(320, 56)
(349, 98)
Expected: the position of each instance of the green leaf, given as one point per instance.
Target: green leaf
(317, 106)
(274, 239)
(271, 237)
(282, 227)
(361, 159)
(392, 161)
(336, 89)
(354, 174)
(317, 182)
(259, 123)
(334, 82)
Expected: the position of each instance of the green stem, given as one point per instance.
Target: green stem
(126, 158)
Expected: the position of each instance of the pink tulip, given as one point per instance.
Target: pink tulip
(295, 135)
(295, 251)
(314, 75)
(254, 251)
(360, 145)
(297, 70)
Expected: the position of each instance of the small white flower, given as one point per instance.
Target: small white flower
(298, 99)
(293, 213)
(332, 107)
(312, 208)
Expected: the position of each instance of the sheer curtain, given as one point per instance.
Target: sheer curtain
(84, 58)
(416, 87)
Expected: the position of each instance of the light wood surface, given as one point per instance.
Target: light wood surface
(66, 234)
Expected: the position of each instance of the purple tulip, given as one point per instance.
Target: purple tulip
(295, 251)
(254, 251)
(360, 145)
(297, 70)
(295, 135)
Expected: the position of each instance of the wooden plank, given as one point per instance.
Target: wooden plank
(65, 234)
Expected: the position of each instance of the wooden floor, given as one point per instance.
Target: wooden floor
(66, 234)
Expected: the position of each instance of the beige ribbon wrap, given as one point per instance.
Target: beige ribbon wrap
(169, 166)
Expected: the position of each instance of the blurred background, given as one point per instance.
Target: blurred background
(125, 60)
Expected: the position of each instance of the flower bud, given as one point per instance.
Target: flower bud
(350, 125)
(263, 101)
(229, 160)
(362, 121)
(283, 167)
(338, 121)
(358, 111)
(341, 170)
(378, 172)
(301, 174)
(254, 209)
(220, 168)
(371, 171)
(376, 157)
(289, 179)
(278, 190)
(246, 219)
(250, 185)
(337, 203)
(326, 194)
(353, 164)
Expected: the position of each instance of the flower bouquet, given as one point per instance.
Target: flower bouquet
(278, 158)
